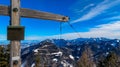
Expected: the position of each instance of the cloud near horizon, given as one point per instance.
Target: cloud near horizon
(3, 37)
(110, 30)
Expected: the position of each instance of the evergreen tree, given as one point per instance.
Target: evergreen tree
(86, 59)
(100, 61)
(37, 61)
(111, 60)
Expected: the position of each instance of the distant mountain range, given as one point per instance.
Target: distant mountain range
(67, 52)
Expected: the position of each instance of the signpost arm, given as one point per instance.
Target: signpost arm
(15, 44)
(28, 13)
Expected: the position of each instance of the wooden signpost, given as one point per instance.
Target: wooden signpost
(16, 32)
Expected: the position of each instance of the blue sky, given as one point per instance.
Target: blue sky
(91, 18)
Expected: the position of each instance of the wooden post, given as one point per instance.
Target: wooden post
(15, 60)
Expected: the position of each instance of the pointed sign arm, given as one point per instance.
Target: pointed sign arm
(5, 10)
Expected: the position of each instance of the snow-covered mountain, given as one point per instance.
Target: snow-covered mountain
(51, 54)
(65, 53)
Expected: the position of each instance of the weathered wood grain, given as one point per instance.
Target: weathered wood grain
(4, 10)
(15, 44)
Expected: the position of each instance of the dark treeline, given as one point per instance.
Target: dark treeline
(4, 56)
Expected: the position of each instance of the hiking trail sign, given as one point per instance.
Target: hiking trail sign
(15, 32)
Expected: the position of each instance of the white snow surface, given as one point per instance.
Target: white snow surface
(57, 53)
(55, 59)
(36, 50)
(33, 65)
(118, 41)
(71, 57)
(45, 46)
